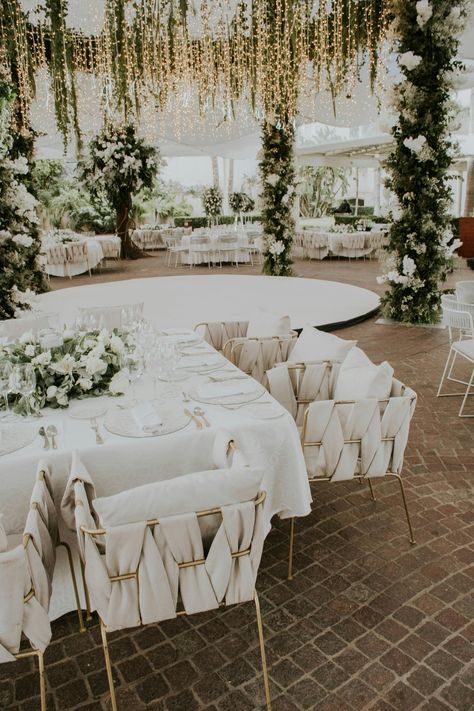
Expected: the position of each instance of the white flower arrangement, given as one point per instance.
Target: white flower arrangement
(424, 12)
(410, 60)
(85, 365)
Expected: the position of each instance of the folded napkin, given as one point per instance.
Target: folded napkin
(146, 417)
(210, 391)
(227, 375)
(199, 361)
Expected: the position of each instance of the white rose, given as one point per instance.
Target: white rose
(30, 351)
(62, 399)
(116, 344)
(119, 383)
(409, 266)
(95, 365)
(410, 60)
(424, 12)
(85, 383)
(65, 366)
(415, 144)
(51, 392)
(27, 337)
(43, 358)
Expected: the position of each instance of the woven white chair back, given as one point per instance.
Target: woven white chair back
(365, 438)
(76, 252)
(56, 254)
(465, 291)
(146, 572)
(255, 356)
(26, 572)
(218, 333)
(297, 385)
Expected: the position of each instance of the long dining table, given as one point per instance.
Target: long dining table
(123, 462)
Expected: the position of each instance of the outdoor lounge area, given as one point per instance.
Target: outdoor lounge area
(236, 355)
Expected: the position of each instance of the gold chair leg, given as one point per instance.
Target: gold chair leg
(108, 666)
(407, 513)
(86, 592)
(262, 651)
(74, 585)
(42, 680)
(290, 552)
(371, 489)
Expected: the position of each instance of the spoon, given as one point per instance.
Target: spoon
(200, 413)
(43, 434)
(52, 431)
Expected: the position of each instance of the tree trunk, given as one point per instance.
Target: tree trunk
(230, 180)
(129, 249)
(215, 171)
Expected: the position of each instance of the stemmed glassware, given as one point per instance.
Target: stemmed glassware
(23, 381)
(6, 370)
(133, 367)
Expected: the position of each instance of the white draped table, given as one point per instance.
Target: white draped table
(95, 255)
(242, 256)
(123, 462)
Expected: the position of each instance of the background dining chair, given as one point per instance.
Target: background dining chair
(461, 321)
(465, 291)
(159, 568)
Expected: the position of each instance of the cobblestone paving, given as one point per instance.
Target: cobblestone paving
(368, 622)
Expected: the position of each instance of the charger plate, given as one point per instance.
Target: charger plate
(263, 410)
(122, 422)
(229, 399)
(16, 436)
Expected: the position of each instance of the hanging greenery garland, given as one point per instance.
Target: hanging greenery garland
(421, 239)
(277, 175)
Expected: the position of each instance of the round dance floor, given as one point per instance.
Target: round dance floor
(184, 301)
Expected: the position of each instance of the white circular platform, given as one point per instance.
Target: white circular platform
(184, 301)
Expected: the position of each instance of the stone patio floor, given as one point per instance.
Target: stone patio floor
(368, 622)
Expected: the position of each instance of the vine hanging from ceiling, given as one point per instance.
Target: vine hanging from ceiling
(265, 53)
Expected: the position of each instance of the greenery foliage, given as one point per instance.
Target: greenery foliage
(277, 174)
(318, 188)
(241, 202)
(21, 271)
(421, 239)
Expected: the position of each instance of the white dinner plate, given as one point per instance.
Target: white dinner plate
(16, 435)
(86, 410)
(263, 410)
(123, 423)
(235, 399)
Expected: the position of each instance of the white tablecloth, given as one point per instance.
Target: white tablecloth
(242, 256)
(341, 243)
(122, 463)
(148, 238)
(95, 255)
(111, 246)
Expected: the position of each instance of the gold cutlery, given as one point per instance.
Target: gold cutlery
(201, 413)
(43, 434)
(95, 428)
(52, 431)
(199, 424)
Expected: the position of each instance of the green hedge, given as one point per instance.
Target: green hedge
(196, 222)
(353, 220)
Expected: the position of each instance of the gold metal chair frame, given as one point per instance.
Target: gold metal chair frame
(187, 564)
(358, 477)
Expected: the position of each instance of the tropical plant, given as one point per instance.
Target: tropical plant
(119, 165)
(318, 187)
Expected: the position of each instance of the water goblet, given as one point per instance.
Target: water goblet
(24, 378)
(5, 387)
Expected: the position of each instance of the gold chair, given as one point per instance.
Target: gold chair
(26, 571)
(366, 439)
(159, 569)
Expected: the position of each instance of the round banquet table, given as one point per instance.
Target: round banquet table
(95, 255)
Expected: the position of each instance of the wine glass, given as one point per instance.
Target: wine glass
(24, 378)
(133, 368)
(5, 387)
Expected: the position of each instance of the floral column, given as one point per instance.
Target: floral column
(278, 194)
(421, 239)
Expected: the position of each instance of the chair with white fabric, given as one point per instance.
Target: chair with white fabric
(218, 333)
(360, 432)
(26, 571)
(316, 245)
(109, 317)
(229, 249)
(463, 322)
(76, 252)
(14, 328)
(201, 251)
(465, 291)
(175, 547)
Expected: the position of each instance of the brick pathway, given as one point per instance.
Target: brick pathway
(368, 622)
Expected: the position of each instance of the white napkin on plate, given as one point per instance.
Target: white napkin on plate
(227, 375)
(210, 391)
(146, 417)
(199, 361)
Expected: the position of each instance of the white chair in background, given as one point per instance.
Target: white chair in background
(201, 251)
(229, 248)
(465, 291)
(464, 347)
(26, 572)
(149, 556)
(14, 328)
(174, 248)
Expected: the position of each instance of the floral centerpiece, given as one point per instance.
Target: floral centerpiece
(241, 202)
(342, 229)
(421, 238)
(212, 200)
(119, 165)
(86, 364)
(62, 236)
(21, 269)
